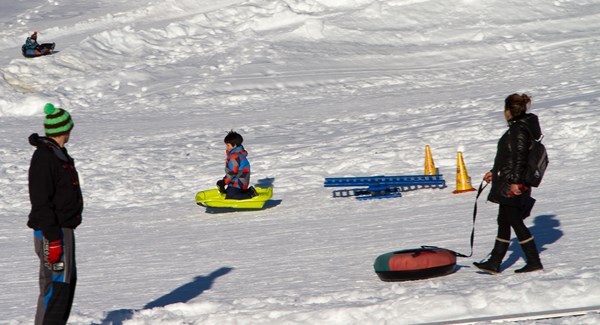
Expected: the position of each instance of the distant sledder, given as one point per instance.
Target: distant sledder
(32, 48)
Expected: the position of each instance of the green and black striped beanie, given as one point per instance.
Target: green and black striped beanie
(57, 121)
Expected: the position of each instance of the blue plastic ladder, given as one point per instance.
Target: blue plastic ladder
(378, 187)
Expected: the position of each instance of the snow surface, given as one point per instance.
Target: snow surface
(318, 88)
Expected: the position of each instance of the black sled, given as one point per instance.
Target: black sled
(43, 49)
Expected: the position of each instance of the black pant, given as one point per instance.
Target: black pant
(512, 217)
(235, 193)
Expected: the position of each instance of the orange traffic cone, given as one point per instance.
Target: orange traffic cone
(463, 181)
(429, 165)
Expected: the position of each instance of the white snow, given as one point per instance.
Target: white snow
(318, 88)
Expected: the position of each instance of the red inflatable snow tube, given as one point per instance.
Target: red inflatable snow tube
(415, 264)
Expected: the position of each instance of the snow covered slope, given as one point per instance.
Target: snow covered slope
(318, 88)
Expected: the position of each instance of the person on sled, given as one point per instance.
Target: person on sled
(235, 183)
(32, 48)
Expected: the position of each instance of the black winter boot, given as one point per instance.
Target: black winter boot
(531, 256)
(492, 265)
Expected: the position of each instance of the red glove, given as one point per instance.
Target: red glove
(54, 251)
(522, 187)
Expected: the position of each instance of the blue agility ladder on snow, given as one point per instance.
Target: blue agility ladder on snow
(379, 187)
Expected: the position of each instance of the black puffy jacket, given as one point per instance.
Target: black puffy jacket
(511, 159)
(56, 200)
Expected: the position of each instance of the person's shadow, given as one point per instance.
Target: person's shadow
(184, 293)
(545, 230)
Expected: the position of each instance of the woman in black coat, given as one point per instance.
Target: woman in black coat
(508, 189)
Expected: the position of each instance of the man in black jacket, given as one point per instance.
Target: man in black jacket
(56, 206)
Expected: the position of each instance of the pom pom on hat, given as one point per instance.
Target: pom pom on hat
(57, 121)
(34, 35)
(49, 109)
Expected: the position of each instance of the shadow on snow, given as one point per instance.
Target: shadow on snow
(545, 230)
(183, 294)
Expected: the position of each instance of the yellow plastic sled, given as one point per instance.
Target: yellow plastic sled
(215, 199)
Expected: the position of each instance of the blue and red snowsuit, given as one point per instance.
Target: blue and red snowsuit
(237, 174)
(32, 48)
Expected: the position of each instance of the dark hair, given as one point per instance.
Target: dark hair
(234, 138)
(517, 104)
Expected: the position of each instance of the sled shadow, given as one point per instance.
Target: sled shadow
(268, 204)
(458, 267)
(545, 230)
(183, 294)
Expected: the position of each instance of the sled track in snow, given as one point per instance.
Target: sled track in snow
(537, 315)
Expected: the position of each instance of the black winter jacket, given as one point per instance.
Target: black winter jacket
(56, 200)
(511, 159)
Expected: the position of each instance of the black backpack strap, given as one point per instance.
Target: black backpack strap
(481, 188)
(533, 139)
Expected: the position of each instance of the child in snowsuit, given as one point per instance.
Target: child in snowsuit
(32, 48)
(235, 183)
